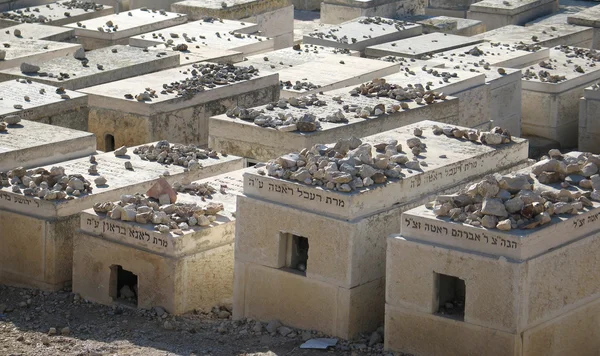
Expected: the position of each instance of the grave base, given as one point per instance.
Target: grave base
(198, 281)
(589, 125)
(433, 11)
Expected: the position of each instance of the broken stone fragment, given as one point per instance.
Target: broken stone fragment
(121, 151)
(29, 68)
(162, 187)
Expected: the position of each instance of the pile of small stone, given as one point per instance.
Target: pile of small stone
(577, 52)
(27, 15)
(496, 136)
(544, 76)
(202, 76)
(519, 202)
(381, 88)
(166, 217)
(178, 154)
(332, 33)
(298, 85)
(47, 185)
(348, 165)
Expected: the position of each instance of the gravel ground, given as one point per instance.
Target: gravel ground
(61, 323)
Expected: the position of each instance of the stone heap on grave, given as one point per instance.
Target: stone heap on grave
(37, 233)
(174, 104)
(589, 107)
(276, 61)
(275, 18)
(524, 289)
(36, 31)
(29, 144)
(322, 251)
(499, 13)
(551, 93)
(193, 265)
(260, 133)
(117, 28)
(339, 11)
(17, 51)
(57, 13)
(545, 35)
(96, 67)
(362, 32)
(199, 37)
(44, 103)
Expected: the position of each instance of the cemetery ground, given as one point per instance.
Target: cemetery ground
(29, 318)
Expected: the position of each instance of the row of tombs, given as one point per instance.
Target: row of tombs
(422, 226)
(432, 223)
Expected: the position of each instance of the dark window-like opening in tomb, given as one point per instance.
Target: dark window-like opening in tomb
(450, 294)
(109, 143)
(296, 253)
(123, 286)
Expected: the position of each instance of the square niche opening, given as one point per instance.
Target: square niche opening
(123, 286)
(296, 253)
(450, 296)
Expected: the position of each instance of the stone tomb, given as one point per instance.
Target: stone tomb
(495, 54)
(339, 11)
(226, 35)
(59, 13)
(469, 87)
(196, 54)
(34, 31)
(194, 269)
(498, 13)
(551, 104)
(30, 144)
(545, 35)
(322, 252)
(117, 28)
(36, 240)
(589, 120)
(169, 115)
(289, 57)
(446, 24)
(421, 47)
(33, 51)
(589, 17)
(525, 292)
(361, 33)
(258, 143)
(42, 103)
(103, 65)
(275, 18)
(331, 73)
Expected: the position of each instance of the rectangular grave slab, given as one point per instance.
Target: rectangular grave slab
(275, 18)
(495, 54)
(498, 13)
(345, 235)
(37, 234)
(101, 32)
(35, 31)
(44, 104)
(469, 87)
(524, 305)
(182, 118)
(31, 144)
(194, 268)
(588, 120)
(34, 51)
(545, 35)
(331, 73)
(103, 65)
(57, 13)
(422, 46)
(244, 138)
(446, 24)
(276, 61)
(589, 17)
(233, 36)
(551, 110)
(361, 33)
(339, 11)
